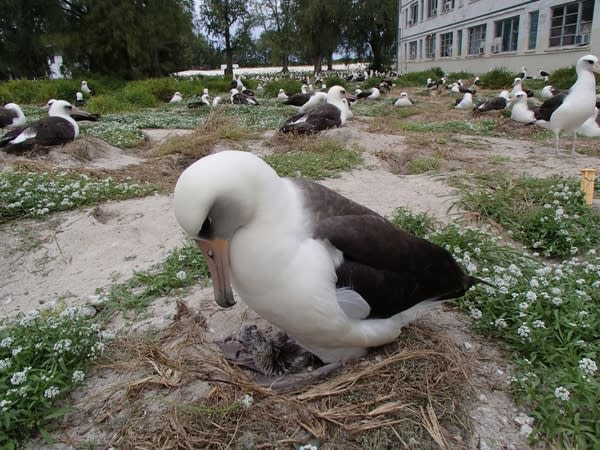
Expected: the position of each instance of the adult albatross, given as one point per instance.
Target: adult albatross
(568, 110)
(335, 276)
(59, 128)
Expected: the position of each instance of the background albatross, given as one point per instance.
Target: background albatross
(334, 275)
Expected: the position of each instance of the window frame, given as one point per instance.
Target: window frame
(571, 24)
(480, 39)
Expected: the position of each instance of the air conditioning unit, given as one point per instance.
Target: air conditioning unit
(410, 22)
(582, 39)
(481, 49)
(497, 45)
(495, 48)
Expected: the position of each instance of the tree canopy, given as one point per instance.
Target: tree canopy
(146, 38)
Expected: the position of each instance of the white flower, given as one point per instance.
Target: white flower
(78, 376)
(588, 366)
(4, 405)
(557, 301)
(534, 283)
(561, 393)
(308, 447)
(51, 392)
(475, 313)
(181, 275)
(523, 331)
(6, 342)
(531, 296)
(539, 324)
(500, 323)
(247, 401)
(63, 345)
(19, 377)
(5, 363)
(17, 350)
(523, 305)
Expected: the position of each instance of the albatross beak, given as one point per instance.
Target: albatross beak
(216, 254)
(596, 68)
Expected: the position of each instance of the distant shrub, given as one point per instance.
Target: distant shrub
(139, 94)
(563, 78)
(462, 75)
(497, 78)
(108, 104)
(336, 80)
(419, 78)
(288, 85)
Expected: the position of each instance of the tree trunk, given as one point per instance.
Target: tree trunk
(318, 61)
(228, 55)
(330, 61)
(286, 63)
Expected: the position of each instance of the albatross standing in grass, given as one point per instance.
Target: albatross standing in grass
(335, 276)
(567, 111)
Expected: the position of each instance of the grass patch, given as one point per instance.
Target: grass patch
(311, 158)
(32, 194)
(547, 316)
(424, 164)
(182, 268)
(42, 356)
(217, 126)
(547, 215)
(484, 127)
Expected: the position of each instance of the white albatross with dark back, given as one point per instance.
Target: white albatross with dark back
(334, 275)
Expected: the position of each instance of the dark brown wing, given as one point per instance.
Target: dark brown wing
(297, 99)
(390, 268)
(549, 106)
(319, 118)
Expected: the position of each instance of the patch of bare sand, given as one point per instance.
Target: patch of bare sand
(74, 253)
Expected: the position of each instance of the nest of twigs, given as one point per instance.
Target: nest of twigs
(174, 390)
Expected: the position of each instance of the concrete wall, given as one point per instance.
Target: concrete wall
(469, 13)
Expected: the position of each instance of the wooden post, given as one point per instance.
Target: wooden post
(587, 184)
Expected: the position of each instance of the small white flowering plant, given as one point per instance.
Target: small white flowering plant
(33, 194)
(42, 356)
(548, 314)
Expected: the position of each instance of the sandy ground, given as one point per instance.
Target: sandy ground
(69, 256)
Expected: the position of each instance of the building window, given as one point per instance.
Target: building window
(446, 44)
(507, 35)
(447, 5)
(534, 18)
(459, 34)
(412, 50)
(413, 14)
(477, 40)
(432, 8)
(571, 23)
(430, 46)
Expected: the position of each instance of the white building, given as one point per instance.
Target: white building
(479, 35)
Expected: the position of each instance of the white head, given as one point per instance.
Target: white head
(587, 63)
(516, 81)
(79, 96)
(519, 97)
(403, 94)
(20, 119)
(84, 83)
(205, 91)
(213, 199)
(62, 108)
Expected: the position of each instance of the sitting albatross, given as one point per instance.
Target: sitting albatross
(59, 128)
(11, 115)
(568, 110)
(333, 113)
(333, 275)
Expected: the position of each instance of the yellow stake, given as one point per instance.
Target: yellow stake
(587, 184)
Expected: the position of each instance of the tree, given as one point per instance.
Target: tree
(226, 19)
(26, 27)
(371, 31)
(129, 39)
(320, 27)
(277, 20)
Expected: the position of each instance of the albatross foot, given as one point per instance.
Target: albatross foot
(277, 363)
